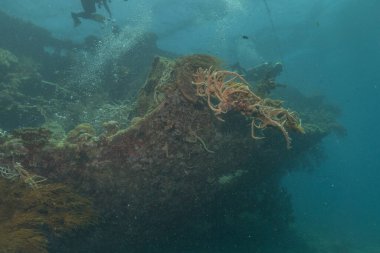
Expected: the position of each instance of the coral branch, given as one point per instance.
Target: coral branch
(17, 171)
(224, 93)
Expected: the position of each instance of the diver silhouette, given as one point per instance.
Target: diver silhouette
(89, 11)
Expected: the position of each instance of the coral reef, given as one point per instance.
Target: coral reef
(177, 175)
(18, 172)
(29, 217)
(231, 95)
(31, 41)
(22, 92)
(7, 62)
(173, 169)
(37, 87)
(264, 78)
(31, 95)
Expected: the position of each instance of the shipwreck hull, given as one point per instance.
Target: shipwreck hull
(178, 173)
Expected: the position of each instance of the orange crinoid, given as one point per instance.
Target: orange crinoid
(226, 91)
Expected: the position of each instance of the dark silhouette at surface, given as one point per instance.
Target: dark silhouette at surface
(89, 11)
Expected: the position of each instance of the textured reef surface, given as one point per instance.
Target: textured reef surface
(193, 161)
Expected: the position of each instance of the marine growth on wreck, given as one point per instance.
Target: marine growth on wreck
(197, 155)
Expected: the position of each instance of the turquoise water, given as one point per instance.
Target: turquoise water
(328, 48)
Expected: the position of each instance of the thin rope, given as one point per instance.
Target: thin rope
(274, 30)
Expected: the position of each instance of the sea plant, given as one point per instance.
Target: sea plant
(225, 93)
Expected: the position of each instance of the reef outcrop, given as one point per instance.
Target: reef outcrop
(186, 172)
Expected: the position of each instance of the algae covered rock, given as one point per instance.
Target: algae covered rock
(30, 217)
(202, 160)
(8, 62)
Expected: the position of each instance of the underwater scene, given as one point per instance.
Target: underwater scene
(167, 126)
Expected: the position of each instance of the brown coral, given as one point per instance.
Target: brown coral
(28, 215)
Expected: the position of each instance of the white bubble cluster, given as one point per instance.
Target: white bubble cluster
(87, 72)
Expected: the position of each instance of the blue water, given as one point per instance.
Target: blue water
(328, 47)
